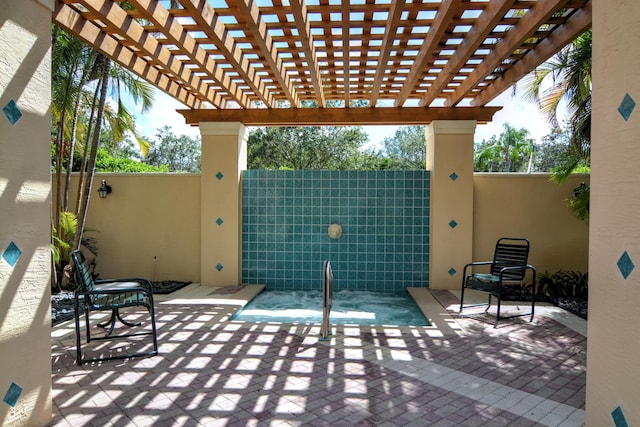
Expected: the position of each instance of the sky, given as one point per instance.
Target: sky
(516, 111)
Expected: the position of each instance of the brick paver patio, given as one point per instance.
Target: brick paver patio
(213, 372)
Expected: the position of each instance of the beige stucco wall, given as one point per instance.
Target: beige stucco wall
(25, 313)
(147, 216)
(613, 372)
(224, 157)
(531, 206)
(450, 151)
(151, 215)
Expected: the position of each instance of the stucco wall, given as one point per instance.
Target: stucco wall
(25, 313)
(159, 215)
(147, 216)
(529, 205)
(613, 372)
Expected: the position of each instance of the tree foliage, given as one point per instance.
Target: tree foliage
(306, 148)
(177, 153)
(508, 152)
(406, 149)
(87, 97)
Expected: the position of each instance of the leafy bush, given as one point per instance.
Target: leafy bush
(563, 284)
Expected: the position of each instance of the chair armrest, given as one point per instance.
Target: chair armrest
(518, 268)
(473, 264)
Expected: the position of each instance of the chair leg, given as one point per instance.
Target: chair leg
(77, 319)
(152, 311)
(495, 325)
(87, 322)
(533, 304)
(462, 298)
(124, 322)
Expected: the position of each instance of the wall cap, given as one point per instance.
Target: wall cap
(451, 127)
(221, 128)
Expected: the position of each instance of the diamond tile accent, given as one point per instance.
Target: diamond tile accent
(626, 106)
(219, 221)
(453, 176)
(453, 224)
(219, 175)
(618, 418)
(12, 112)
(11, 254)
(12, 395)
(219, 267)
(452, 271)
(625, 265)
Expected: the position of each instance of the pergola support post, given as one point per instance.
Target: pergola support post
(450, 161)
(224, 157)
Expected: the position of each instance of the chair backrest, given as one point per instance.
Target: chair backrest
(510, 252)
(83, 275)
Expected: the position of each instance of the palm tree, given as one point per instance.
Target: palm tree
(506, 153)
(82, 82)
(567, 77)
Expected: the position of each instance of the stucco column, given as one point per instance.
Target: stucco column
(450, 161)
(25, 203)
(613, 346)
(224, 157)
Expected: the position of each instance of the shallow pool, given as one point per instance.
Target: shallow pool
(349, 307)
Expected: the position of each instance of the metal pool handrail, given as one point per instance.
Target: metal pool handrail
(327, 300)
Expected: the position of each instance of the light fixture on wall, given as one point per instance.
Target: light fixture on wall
(104, 189)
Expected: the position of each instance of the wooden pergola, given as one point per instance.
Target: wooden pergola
(279, 62)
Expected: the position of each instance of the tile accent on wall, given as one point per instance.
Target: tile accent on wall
(12, 112)
(453, 224)
(12, 395)
(219, 175)
(219, 221)
(219, 267)
(453, 176)
(385, 221)
(452, 271)
(625, 265)
(12, 254)
(619, 419)
(626, 106)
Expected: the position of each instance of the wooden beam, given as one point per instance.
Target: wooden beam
(346, 52)
(340, 116)
(299, 10)
(256, 25)
(487, 21)
(208, 21)
(70, 20)
(175, 32)
(526, 27)
(577, 24)
(395, 14)
(447, 10)
(118, 22)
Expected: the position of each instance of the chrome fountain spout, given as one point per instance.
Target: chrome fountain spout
(327, 300)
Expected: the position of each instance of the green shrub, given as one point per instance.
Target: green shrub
(563, 284)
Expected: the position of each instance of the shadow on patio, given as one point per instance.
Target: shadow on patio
(212, 371)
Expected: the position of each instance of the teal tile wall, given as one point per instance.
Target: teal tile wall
(384, 216)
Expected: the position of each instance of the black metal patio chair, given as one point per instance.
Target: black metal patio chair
(506, 272)
(111, 295)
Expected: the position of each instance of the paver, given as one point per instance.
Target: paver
(263, 375)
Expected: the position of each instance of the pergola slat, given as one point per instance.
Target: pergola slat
(271, 54)
(575, 25)
(71, 21)
(490, 17)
